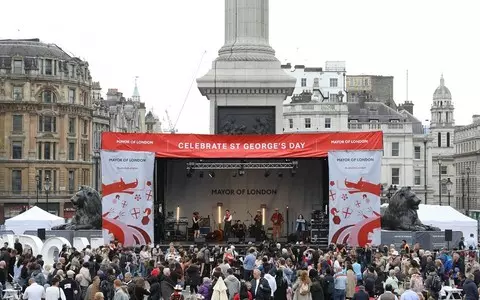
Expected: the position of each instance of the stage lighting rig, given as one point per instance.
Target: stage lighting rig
(243, 165)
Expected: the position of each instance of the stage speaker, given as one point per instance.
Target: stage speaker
(233, 240)
(448, 235)
(200, 240)
(250, 240)
(41, 233)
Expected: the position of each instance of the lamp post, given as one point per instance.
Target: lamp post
(440, 181)
(463, 190)
(37, 179)
(47, 187)
(449, 185)
(468, 191)
(425, 184)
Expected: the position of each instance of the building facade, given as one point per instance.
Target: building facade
(45, 127)
(467, 167)
(373, 88)
(442, 130)
(327, 84)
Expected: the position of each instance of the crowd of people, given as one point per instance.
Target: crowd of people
(266, 271)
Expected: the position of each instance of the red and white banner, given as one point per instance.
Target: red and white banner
(242, 146)
(354, 197)
(127, 196)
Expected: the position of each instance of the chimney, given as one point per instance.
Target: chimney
(408, 106)
(476, 118)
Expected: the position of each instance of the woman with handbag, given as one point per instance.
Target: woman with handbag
(55, 292)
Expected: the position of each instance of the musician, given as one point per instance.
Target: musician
(196, 225)
(227, 224)
(239, 229)
(258, 225)
(277, 220)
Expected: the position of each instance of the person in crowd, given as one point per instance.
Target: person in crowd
(34, 291)
(260, 287)
(409, 294)
(120, 292)
(70, 286)
(389, 293)
(300, 226)
(351, 281)
(361, 294)
(471, 242)
(277, 223)
(139, 290)
(244, 293)
(232, 283)
(55, 292)
(206, 288)
(93, 288)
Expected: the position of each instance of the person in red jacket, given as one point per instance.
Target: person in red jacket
(277, 220)
(244, 293)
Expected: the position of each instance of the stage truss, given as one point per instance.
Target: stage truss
(289, 165)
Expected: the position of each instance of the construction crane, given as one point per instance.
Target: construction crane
(171, 128)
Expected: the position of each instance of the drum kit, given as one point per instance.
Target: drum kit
(240, 230)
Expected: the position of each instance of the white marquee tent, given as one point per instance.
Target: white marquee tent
(33, 219)
(446, 217)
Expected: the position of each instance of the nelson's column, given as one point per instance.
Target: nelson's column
(246, 85)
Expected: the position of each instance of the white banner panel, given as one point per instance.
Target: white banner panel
(127, 196)
(354, 197)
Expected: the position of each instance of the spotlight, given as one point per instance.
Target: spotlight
(241, 172)
(280, 174)
(189, 172)
(293, 172)
(267, 173)
(211, 174)
(234, 174)
(201, 174)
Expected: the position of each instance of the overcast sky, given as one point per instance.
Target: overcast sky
(162, 42)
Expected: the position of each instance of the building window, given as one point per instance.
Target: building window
(290, 123)
(18, 66)
(308, 123)
(71, 151)
(395, 149)
(448, 139)
(71, 96)
(439, 139)
(85, 126)
(71, 71)
(304, 82)
(417, 152)
(16, 181)
(333, 98)
(17, 150)
(47, 124)
(71, 180)
(84, 151)
(333, 82)
(17, 123)
(49, 96)
(328, 123)
(17, 93)
(48, 67)
(86, 175)
(71, 126)
(396, 176)
(39, 150)
(418, 177)
(446, 117)
(444, 170)
(47, 150)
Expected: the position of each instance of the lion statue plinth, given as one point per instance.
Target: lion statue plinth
(401, 214)
(88, 215)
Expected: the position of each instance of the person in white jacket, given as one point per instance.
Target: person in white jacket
(55, 292)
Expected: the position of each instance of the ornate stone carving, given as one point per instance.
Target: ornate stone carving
(245, 120)
(231, 127)
(263, 125)
(401, 214)
(88, 215)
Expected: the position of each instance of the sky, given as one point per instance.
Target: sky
(165, 42)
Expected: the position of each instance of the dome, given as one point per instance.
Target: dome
(31, 48)
(442, 92)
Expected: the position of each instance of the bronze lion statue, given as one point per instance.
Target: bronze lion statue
(88, 215)
(401, 214)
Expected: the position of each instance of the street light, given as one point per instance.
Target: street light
(449, 185)
(47, 187)
(425, 140)
(468, 191)
(440, 181)
(37, 179)
(463, 190)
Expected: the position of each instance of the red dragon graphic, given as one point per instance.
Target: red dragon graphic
(357, 235)
(363, 187)
(118, 187)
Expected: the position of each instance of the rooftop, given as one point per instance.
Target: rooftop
(31, 48)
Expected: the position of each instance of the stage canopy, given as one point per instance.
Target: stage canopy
(200, 146)
(33, 219)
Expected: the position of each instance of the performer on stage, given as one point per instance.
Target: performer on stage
(196, 225)
(227, 224)
(277, 220)
(258, 225)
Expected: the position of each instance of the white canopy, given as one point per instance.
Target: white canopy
(447, 217)
(33, 219)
